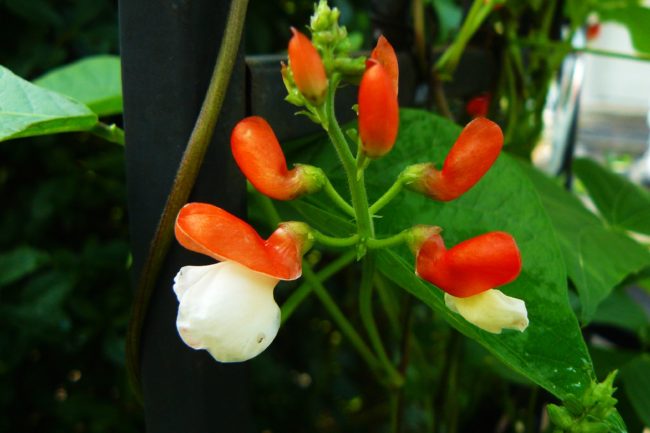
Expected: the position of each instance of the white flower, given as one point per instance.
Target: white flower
(227, 309)
(491, 310)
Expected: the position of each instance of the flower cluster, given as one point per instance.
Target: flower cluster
(228, 308)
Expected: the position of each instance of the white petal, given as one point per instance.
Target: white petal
(491, 310)
(189, 275)
(228, 310)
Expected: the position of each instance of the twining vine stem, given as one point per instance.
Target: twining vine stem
(184, 181)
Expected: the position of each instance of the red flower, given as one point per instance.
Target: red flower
(307, 67)
(259, 156)
(471, 267)
(228, 308)
(472, 155)
(378, 111)
(385, 55)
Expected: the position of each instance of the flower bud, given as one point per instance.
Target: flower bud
(307, 67)
(259, 156)
(212, 231)
(472, 155)
(378, 111)
(385, 55)
(479, 105)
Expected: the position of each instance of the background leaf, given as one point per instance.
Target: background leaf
(634, 17)
(27, 110)
(620, 202)
(596, 257)
(19, 263)
(636, 377)
(96, 81)
(551, 352)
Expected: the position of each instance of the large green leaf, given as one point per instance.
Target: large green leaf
(551, 352)
(636, 377)
(95, 81)
(26, 110)
(619, 309)
(597, 258)
(622, 203)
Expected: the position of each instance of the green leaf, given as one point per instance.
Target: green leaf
(95, 81)
(619, 309)
(621, 203)
(636, 378)
(597, 258)
(635, 18)
(450, 16)
(19, 263)
(551, 352)
(27, 110)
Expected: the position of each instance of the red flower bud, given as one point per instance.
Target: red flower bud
(212, 231)
(471, 267)
(378, 111)
(307, 67)
(472, 155)
(479, 106)
(260, 157)
(593, 30)
(385, 55)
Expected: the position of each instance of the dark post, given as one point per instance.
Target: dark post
(168, 51)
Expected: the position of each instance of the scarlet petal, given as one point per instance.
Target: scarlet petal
(378, 111)
(385, 55)
(472, 155)
(259, 156)
(212, 231)
(471, 267)
(307, 67)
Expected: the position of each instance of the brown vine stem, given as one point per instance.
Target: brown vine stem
(184, 182)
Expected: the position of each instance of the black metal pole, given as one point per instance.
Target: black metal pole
(168, 51)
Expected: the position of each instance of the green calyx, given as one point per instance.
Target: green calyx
(312, 178)
(417, 235)
(413, 176)
(588, 413)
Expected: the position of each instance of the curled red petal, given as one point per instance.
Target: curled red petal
(472, 155)
(471, 267)
(385, 55)
(378, 111)
(210, 230)
(259, 156)
(307, 67)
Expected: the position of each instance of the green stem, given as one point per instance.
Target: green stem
(355, 178)
(184, 181)
(388, 196)
(446, 64)
(337, 315)
(391, 241)
(110, 133)
(334, 195)
(367, 317)
(305, 289)
(639, 56)
(332, 241)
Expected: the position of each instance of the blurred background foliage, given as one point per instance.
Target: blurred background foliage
(65, 264)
